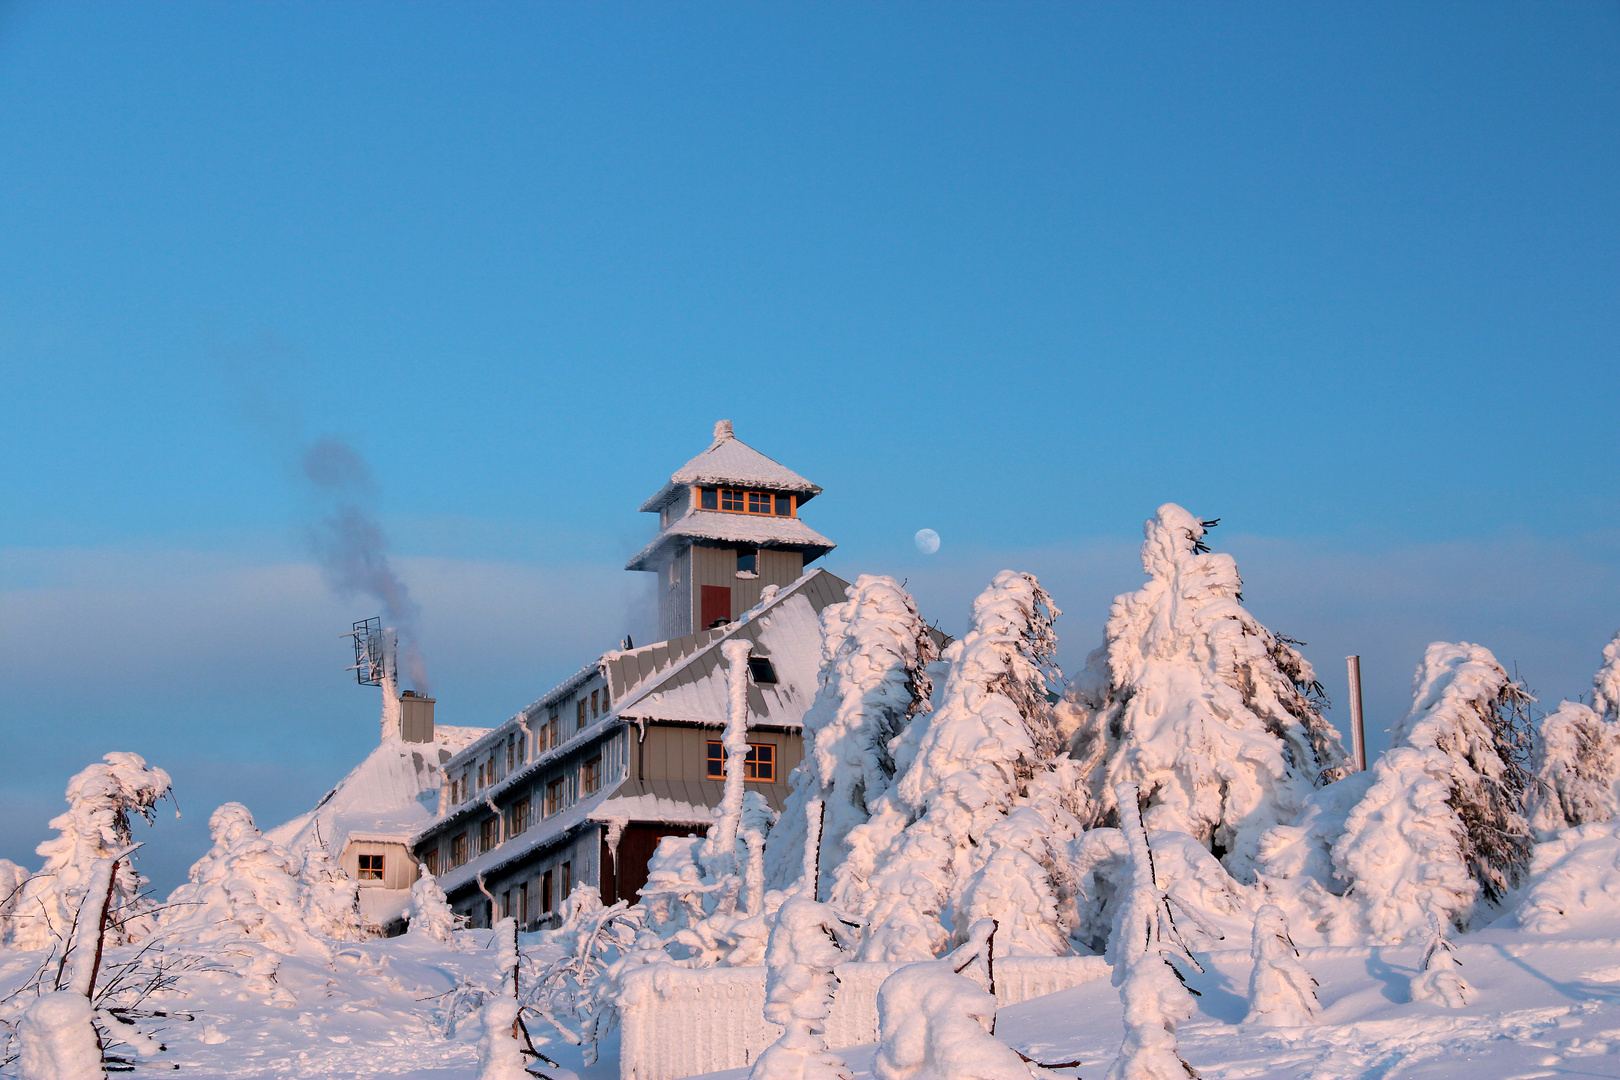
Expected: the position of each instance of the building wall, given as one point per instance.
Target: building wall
(672, 752)
(676, 615)
(580, 853)
(399, 869)
(718, 566)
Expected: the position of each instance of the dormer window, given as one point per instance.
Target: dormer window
(742, 501)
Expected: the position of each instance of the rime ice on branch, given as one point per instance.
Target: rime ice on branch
(102, 800)
(874, 679)
(981, 814)
(1216, 718)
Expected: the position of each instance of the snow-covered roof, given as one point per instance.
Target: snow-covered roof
(386, 798)
(758, 530)
(731, 462)
(786, 629)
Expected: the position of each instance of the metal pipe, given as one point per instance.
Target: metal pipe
(1358, 730)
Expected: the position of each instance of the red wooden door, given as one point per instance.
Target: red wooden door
(716, 605)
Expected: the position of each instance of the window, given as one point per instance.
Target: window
(523, 904)
(567, 878)
(489, 834)
(590, 776)
(747, 560)
(480, 776)
(762, 670)
(523, 747)
(760, 764)
(431, 861)
(595, 709)
(458, 849)
(511, 752)
(506, 904)
(556, 729)
(736, 501)
(554, 797)
(545, 893)
(371, 868)
(520, 816)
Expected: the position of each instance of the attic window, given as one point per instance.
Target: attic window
(741, 501)
(371, 868)
(762, 671)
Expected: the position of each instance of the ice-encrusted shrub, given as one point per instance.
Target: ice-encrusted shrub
(243, 888)
(431, 916)
(874, 680)
(934, 1024)
(329, 898)
(806, 943)
(1215, 718)
(980, 816)
(1281, 992)
(102, 801)
(1441, 824)
(1577, 764)
(1606, 683)
(1439, 980)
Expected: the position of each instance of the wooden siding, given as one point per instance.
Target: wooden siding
(675, 597)
(718, 566)
(399, 869)
(682, 753)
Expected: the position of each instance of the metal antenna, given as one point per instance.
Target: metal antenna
(373, 659)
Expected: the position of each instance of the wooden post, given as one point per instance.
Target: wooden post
(1358, 731)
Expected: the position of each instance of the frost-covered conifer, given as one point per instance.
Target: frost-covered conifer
(500, 1046)
(245, 887)
(431, 916)
(934, 1024)
(806, 943)
(978, 821)
(102, 799)
(1151, 991)
(1441, 822)
(874, 679)
(1281, 992)
(12, 877)
(1216, 718)
(1439, 980)
(1577, 764)
(1606, 683)
(329, 898)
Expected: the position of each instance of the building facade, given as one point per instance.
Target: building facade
(581, 785)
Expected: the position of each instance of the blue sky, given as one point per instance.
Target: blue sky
(1347, 278)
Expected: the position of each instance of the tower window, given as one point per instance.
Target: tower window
(747, 560)
(733, 500)
(737, 501)
(709, 499)
(784, 506)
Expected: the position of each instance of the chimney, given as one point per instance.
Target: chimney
(416, 717)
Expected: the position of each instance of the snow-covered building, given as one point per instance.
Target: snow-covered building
(581, 785)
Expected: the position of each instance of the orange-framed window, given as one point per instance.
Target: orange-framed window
(371, 868)
(760, 764)
(742, 501)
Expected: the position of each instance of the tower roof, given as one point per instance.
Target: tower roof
(730, 462)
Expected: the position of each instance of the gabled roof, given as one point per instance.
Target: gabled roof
(786, 629)
(761, 531)
(731, 462)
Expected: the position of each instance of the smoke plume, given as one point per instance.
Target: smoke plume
(352, 549)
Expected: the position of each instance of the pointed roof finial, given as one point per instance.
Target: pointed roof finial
(722, 430)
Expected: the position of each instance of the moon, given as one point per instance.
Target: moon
(927, 541)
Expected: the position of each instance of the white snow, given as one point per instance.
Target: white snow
(57, 1039)
(805, 947)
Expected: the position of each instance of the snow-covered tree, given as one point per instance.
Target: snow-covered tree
(1606, 683)
(1281, 992)
(1577, 766)
(431, 916)
(806, 943)
(934, 1024)
(329, 898)
(874, 679)
(1216, 718)
(1151, 990)
(978, 821)
(501, 1045)
(244, 887)
(102, 800)
(1439, 981)
(1441, 823)
(12, 878)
